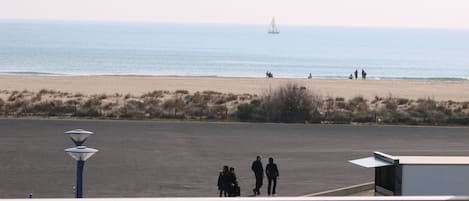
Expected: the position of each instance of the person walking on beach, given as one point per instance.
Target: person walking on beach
(363, 74)
(258, 173)
(223, 182)
(356, 74)
(310, 76)
(271, 171)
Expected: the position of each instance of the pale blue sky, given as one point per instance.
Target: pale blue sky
(383, 13)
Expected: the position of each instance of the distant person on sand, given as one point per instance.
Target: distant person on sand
(268, 74)
(258, 173)
(356, 74)
(350, 76)
(310, 76)
(223, 181)
(271, 171)
(363, 74)
(234, 190)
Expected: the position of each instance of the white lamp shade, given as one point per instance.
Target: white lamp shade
(79, 135)
(81, 153)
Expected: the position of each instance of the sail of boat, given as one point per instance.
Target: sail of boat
(273, 27)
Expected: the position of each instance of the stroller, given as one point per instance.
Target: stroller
(235, 191)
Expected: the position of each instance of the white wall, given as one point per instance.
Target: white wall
(435, 180)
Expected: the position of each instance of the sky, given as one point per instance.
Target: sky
(449, 14)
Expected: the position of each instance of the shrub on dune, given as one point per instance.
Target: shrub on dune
(290, 103)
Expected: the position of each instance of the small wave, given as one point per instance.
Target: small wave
(32, 73)
(244, 62)
(423, 78)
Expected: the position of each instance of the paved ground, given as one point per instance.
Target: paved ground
(183, 159)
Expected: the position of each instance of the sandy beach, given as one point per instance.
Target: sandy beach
(137, 85)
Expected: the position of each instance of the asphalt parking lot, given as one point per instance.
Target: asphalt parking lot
(180, 159)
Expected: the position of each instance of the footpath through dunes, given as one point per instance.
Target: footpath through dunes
(168, 159)
(138, 85)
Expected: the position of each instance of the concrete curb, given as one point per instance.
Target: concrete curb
(345, 190)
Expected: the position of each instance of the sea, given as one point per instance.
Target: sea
(52, 48)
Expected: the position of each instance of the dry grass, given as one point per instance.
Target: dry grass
(288, 103)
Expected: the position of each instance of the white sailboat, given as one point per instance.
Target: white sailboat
(273, 27)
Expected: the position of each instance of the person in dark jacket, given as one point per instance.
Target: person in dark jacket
(258, 173)
(271, 171)
(223, 182)
(234, 189)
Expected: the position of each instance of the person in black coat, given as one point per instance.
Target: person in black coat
(234, 189)
(271, 171)
(223, 182)
(258, 173)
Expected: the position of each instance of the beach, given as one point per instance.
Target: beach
(137, 85)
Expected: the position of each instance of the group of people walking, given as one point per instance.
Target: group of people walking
(355, 73)
(228, 185)
(271, 171)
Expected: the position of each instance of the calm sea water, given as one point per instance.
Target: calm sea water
(99, 48)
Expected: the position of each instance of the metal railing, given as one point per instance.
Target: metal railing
(380, 198)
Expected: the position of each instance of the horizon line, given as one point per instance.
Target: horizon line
(217, 23)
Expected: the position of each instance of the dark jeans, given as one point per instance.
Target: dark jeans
(259, 179)
(269, 187)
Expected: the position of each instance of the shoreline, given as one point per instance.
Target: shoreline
(455, 90)
(42, 74)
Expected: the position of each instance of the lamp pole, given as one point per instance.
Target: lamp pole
(79, 192)
(80, 154)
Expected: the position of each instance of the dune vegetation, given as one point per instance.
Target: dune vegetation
(289, 103)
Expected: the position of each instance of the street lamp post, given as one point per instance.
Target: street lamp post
(79, 136)
(80, 154)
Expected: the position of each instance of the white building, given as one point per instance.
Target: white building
(418, 175)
